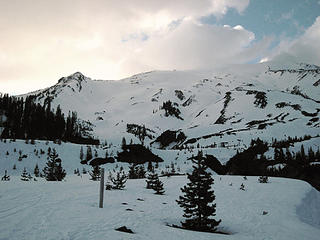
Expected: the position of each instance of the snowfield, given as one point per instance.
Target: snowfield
(69, 210)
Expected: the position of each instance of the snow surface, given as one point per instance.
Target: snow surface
(69, 210)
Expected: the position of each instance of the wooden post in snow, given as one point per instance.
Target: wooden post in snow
(101, 188)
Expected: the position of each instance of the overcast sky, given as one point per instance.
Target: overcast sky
(43, 40)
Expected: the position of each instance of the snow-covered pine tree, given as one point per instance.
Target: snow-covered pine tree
(263, 179)
(133, 174)
(150, 167)
(25, 175)
(54, 171)
(36, 171)
(198, 198)
(5, 177)
(158, 187)
(141, 172)
(95, 173)
(119, 181)
(151, 180)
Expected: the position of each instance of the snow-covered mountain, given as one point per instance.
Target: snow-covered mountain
(219, 111)
(225, 107)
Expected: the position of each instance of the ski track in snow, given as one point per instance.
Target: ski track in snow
(69, 210)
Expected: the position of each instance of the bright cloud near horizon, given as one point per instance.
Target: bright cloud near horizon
(43, 40)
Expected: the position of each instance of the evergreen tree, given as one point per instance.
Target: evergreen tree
(95, 173)
(54, 171)
(133, 173)
(198, 197)
(151, 180)
(263, 179)
(158, 187)
(119, 181)
(317, 155)
(25, 175)
(173, 170)
(14, 167)
(36, 171)
(150, 167)
(123, 143)
(141, 172)
(311, 155)
(288, 156)
(89, 153)
(84, 171)
(81, 154)
(5, 177)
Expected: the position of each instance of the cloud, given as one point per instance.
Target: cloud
(194, 46)
(304, 49)
(42, 40)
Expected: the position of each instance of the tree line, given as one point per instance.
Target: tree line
(26, 119)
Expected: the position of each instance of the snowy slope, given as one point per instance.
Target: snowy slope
(291, 91)
(69, 210)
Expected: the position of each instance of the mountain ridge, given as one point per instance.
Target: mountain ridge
(215, 106)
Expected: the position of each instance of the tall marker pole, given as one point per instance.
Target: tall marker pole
(101, 188)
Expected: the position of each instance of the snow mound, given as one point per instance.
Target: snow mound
(308, 211)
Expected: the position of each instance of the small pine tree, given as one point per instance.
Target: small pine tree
(84, 171)
(150, 167)
(263, 179)
(151, 180)
(123, 143)
(14, 167)
(54, 171)
(95, 173)
(197, 199)
(119, 181)
(158, 187)
(133, 173)
(173, 170)
(5, 177)
(36, 171)
(25, 175)
(141, 172)
(81, 154)
(89, 153)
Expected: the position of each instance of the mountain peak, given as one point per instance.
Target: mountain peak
(77, 76)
